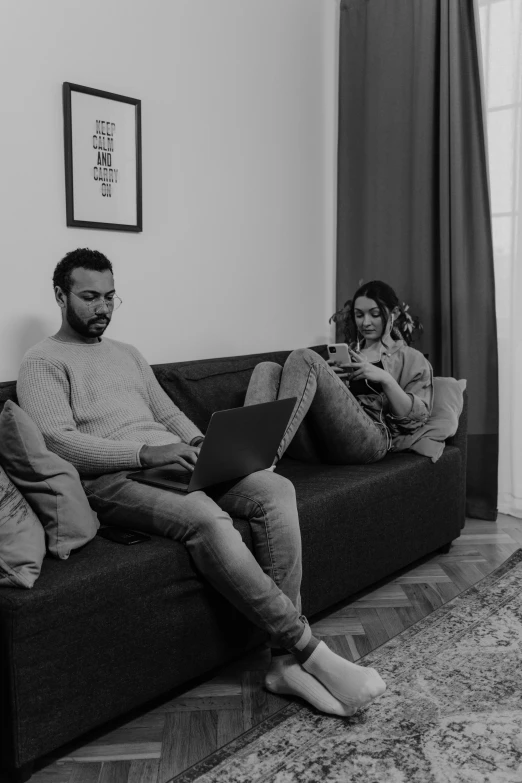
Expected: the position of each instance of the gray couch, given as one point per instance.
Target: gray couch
(115, 627)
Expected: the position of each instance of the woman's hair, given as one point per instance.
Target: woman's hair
(405, 326)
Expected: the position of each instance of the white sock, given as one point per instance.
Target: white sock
(286, 676)
(353, 685)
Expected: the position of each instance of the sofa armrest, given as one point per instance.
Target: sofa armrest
(460, 440)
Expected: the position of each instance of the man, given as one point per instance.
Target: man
(99, 405)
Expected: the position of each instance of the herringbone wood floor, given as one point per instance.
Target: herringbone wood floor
(165, 741)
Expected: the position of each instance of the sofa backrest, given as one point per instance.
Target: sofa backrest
(201, 387)
(7, 392)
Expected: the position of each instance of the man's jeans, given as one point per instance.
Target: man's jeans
(266, 587)
(344, 433)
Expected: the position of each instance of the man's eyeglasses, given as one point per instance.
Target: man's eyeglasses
(111, 302)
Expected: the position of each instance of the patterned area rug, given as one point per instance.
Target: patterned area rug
(452, 712)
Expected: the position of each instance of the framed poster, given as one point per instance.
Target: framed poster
(102, 134)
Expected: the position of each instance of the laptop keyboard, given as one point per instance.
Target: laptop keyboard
(183, 476)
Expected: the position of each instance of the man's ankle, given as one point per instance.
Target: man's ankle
(303, 642)
(303, 653)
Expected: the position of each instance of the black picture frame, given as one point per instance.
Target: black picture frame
(84, 209)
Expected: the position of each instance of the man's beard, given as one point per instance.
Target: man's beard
(85, 327)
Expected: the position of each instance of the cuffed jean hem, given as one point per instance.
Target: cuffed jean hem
(289, 641)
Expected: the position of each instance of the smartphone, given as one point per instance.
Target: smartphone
(339, 354)
(122, 536)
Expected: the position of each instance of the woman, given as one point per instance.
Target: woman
(354, 411)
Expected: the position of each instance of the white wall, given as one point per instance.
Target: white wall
(239, 169)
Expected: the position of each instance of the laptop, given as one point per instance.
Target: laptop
(238, 442)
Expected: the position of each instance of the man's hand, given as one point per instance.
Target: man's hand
(180, 453)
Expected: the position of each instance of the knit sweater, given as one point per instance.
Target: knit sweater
(97, 404)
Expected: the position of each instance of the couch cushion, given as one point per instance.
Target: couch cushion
(429, 439)
(404, 499)
(50, 484)
(112, 626)
(22, 539)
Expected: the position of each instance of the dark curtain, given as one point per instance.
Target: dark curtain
(413, 203)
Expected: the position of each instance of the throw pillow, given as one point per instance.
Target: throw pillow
(22, 539)
(50, 484)
(429, 440)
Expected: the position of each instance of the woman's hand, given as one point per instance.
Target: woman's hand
(341, 370)
(400, 402)
(363, 369)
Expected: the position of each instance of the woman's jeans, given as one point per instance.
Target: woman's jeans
(266, 587)
(343, 433)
